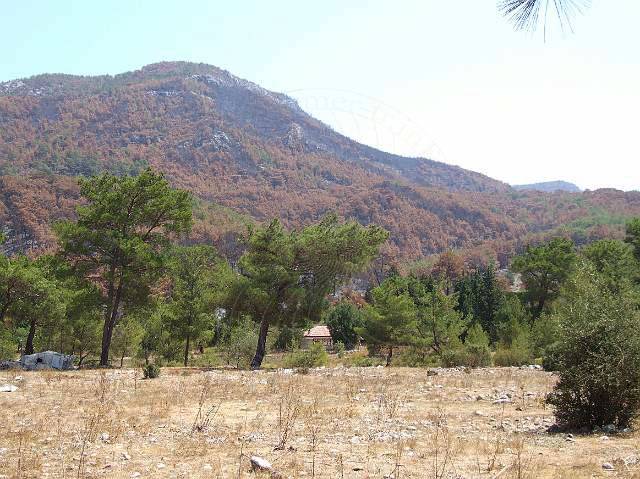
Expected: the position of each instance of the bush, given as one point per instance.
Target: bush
(544, 334)
(598, 355)
(342, 320)
(339, 349)
(550, 360)
(287, 339)
(515, 346)
(506, 356)
(150, 371)
(240, 346)
(474, 353)
(313, 357)
(415, 358)
(360, 361)
(8, 349)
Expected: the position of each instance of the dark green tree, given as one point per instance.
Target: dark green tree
(390, 321)
(480, 297)
(598, 353)
(342, 320)
(633, 236)
(199, 279)
(615, 260)
(544, 269)
(119, 237)
(439, 325)
(286, 277)
(29, 295)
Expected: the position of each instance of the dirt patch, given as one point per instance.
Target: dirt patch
(330, 423)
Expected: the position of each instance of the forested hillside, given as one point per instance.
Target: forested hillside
(249, 155)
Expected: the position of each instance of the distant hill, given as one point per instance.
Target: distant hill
(248, 155)
(550, 187)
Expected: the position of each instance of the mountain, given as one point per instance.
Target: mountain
(550, 187)
(248, 155)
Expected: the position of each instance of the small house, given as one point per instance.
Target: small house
(317, 334)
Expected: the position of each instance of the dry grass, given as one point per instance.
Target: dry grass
(330, 423)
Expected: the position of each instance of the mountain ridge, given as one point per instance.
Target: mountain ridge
(255, 153)
(551, 186)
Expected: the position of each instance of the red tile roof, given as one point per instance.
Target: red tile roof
(320, 331)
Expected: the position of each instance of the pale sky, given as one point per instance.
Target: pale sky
(445, 79)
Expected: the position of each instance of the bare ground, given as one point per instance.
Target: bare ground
(330, 423)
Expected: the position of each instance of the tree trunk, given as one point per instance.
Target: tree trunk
(389, 356)
(539, 308)
(262, 344)
(122, 359)
(186, 350)
(109, 324)
(28, 348)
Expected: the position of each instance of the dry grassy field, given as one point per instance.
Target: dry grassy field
(329, 423)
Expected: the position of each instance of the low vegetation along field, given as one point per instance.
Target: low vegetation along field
(331, 422)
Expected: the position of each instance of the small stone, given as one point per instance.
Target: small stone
(260, 464)
(604, 438)
(207, 467)
(104, 437)
(135, 474)
(8, 388)
(125, 456)
(160, 465)
(607, 466)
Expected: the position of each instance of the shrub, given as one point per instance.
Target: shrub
(359, 361)
(544, 334)
(240, 346)
(313, 357)
(510, 356)
(475, 353)
(287, 338)
(515, 345)
(415, 358)
(598, 355)
(150, 371)
(339, 349)
(550, 360)
(8, 348)
(342, 320)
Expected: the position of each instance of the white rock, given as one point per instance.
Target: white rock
(135, 474)
(607, 466)
(125, 456)
(160, 465)
(104, 437)
(260, 463)
(18, 378)
(8, 388)
(207, 467)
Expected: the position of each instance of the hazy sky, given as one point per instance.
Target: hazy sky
(446, 79)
